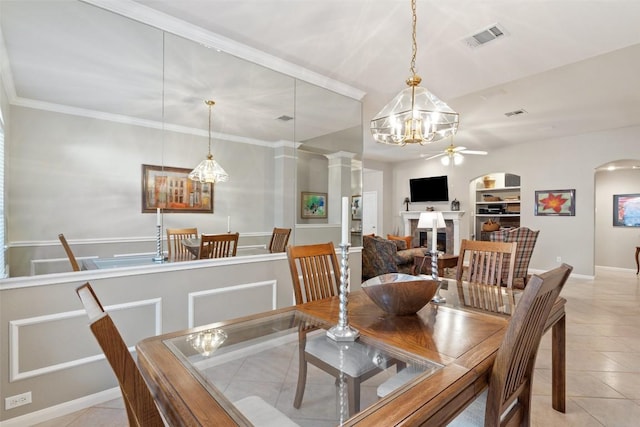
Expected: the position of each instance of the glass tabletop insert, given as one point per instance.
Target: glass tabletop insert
(261, 358)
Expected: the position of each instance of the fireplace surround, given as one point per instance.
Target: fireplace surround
(452, 229)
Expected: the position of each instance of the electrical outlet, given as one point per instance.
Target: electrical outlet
(558, 259)
(17, 400)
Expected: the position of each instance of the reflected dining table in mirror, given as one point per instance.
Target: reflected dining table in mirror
(193, 246)
(195, 379)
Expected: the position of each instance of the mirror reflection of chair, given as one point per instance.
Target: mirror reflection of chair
(507, 401)
(175, 237)
(218, 245)
(72, 258)
(526, 240)
(279, 239)
(315, 273)
(479, 283)
(140, 405)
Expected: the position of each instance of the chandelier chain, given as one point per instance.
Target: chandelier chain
(413, 37)
(210, 104)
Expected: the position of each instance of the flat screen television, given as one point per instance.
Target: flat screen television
(429, 189)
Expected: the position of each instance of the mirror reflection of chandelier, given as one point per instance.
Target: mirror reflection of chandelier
(209, 170)
(415, 115)
(206, 342)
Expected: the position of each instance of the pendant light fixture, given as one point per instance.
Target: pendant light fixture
(415, 115)
(209, 170)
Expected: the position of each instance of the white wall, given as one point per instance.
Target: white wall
(562, 163)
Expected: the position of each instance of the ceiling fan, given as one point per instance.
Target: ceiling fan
(453, 154)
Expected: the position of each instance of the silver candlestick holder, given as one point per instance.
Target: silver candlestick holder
(342, 331)
(159, 254)
(438, 299)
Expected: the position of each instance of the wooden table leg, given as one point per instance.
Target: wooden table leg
(637, 261)
(558, 364)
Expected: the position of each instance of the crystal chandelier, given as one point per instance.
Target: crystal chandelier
(209, 170)
(415, 115)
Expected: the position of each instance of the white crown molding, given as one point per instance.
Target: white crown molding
(128, 120)
(162, 21)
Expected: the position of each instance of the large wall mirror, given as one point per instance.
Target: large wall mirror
(95, 95)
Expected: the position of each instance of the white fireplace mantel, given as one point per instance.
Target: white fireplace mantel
(453, 216)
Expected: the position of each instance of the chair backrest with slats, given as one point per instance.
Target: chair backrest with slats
(314, 271)
(72, 258)
(218, 245)
(279, 239)
(175, 237)
(479, 284)
(513, 367)
(141, 408)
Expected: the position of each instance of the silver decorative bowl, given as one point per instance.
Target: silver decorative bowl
(400, 294)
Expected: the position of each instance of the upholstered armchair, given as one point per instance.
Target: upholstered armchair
(526, 241)
(382, 256)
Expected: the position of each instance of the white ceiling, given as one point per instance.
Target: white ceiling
(572, 65)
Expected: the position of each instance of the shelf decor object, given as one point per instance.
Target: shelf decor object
(415, 115)
(555, 202)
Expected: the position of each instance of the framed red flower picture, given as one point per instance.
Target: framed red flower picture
(556, 202)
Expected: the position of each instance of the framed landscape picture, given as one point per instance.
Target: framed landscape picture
(169, 189)
(626, 210)
(313, 205)
(555, 202)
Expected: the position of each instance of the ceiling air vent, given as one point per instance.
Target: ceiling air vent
(515, 113)
(285, 118)
(485, 36)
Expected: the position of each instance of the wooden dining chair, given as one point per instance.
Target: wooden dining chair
(279, 239)
(315, 273)
(507, 401)
(138, 401)
(175, 237)
(72, 258)
(479, 282)
(218, 245)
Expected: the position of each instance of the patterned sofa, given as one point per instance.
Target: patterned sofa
(381, 256)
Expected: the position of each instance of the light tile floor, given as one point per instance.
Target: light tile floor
(603, 361)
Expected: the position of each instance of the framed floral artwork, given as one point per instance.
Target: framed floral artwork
(555, 202)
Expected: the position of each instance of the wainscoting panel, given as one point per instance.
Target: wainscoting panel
(215, 305)
(44, 344)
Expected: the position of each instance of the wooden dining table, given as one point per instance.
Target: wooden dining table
(461, 343)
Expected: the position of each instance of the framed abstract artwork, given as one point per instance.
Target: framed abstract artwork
(555, 202)
(626, 210)
(169, 189)
(313, 205)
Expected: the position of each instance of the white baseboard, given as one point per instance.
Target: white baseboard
(62, 409)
